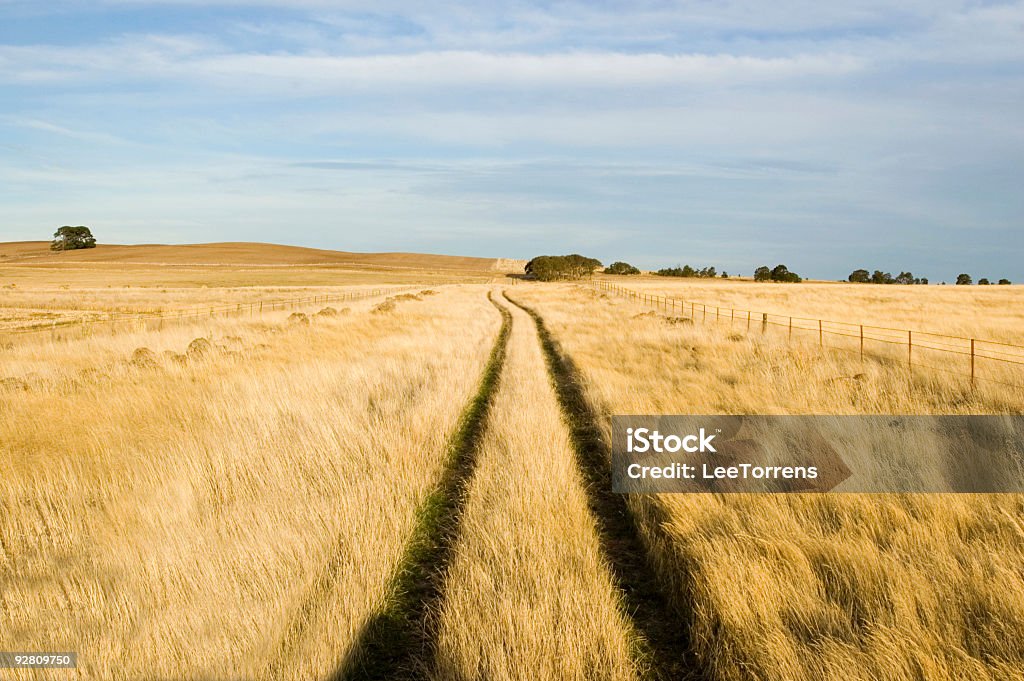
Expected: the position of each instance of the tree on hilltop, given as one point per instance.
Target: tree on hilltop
(69, 238)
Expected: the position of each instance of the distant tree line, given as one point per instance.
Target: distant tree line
(555, 267)
(880, 277)
(621, 268)
(966, 280)
(777, 273)
(687, 271)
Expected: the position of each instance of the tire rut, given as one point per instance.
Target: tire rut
(664, 630)
(399, 641)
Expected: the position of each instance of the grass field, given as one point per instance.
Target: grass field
(412, 484)
(807, 587)
(991, 312)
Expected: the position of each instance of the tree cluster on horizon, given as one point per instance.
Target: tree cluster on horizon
(687, 271)
(879, 277)
(620, 267)
(556, 267)
(779, 273)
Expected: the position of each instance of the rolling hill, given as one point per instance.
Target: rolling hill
(235, 253)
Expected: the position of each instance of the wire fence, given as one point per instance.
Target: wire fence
(60, 329)
(974, 358)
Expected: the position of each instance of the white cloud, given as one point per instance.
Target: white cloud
(167, 59)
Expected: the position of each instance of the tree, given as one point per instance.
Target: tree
(880, 277)
(1004, 282)
(782, 273)
(983, 282)
(553, 267)
(859, 277)
(725, 275)
(905, 278)
(964, 280)
(762, 273)
(72, 238)
(621, 268)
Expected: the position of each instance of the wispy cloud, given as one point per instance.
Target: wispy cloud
(669, 130)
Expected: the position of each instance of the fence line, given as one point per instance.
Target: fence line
(973, 351)
(252, 308)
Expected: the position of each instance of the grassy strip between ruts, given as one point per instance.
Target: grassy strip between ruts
(665, 649)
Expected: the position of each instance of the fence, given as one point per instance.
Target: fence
(252, 308)
(978, 359)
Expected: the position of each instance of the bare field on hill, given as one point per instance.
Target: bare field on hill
(803, 586)
(246, 496)
(236, 253)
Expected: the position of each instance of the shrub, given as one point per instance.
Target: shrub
(143, 358)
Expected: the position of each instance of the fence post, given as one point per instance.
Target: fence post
(972, 363)
(821, 335)
(748, 321)
(910, 348)
(764, 322)
(791, 328)
(861, 343)
(705, 312)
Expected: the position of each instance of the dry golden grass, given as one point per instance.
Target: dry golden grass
(529, 594)
(808, 587)
(990, 312)
(237, 507)
(39, 287)
(234, 516)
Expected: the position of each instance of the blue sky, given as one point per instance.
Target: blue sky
(826, 136)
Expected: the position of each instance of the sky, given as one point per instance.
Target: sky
(827, 136)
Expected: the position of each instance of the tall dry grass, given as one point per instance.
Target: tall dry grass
(989, 312)
(802, 586)
(529, 594)
(236, 515)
